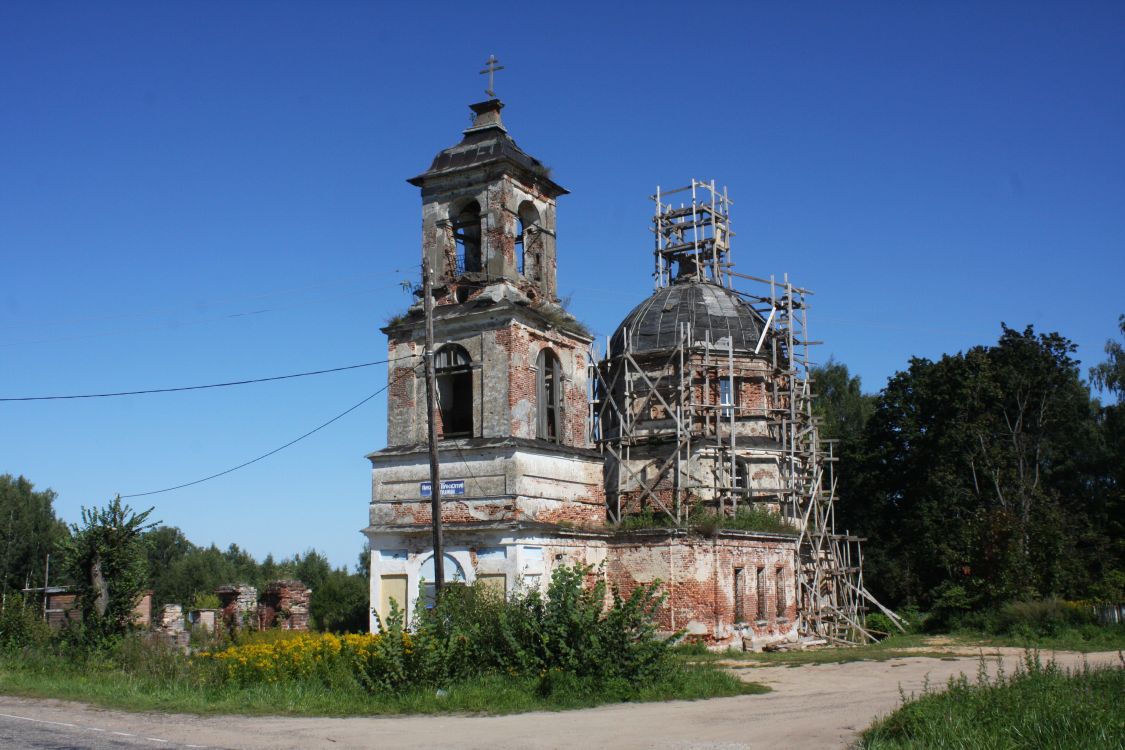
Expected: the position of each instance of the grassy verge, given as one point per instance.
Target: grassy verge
(1037, 707)
(182, 691)
(907, 645)
(1085, 639)
(895, 647)
(485, 695)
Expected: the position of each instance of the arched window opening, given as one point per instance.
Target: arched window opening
(453, 573)
(521, 229)
(466, 233)
(548, 391)
(527, 244)
(780, 592)
(760, 590)
(453, 370)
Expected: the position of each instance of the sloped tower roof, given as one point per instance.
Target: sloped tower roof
(486, 142)
(711, 312)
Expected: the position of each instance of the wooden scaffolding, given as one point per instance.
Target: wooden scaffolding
(629, 386)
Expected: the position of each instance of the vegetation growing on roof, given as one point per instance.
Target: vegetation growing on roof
(397, 319)
(561, 318)
(746, 518)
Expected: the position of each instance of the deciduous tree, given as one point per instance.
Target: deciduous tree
(976, 476)
(107, 558)
(29, 531)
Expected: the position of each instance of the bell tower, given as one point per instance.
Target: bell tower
(510, 361)
(519, 474)
(488, 213)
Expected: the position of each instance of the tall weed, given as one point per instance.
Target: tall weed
(1038, 706)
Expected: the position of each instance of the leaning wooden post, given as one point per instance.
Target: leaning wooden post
(431, 389)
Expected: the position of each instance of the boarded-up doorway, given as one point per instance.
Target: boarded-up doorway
(391, 587)
(494, 582)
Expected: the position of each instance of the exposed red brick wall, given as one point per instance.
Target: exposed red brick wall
(285, 604)
(584, 513)
(698, 575)
(523, 345)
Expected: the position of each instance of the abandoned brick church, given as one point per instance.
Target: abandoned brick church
(685, 452)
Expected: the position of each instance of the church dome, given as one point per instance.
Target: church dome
(711, 312)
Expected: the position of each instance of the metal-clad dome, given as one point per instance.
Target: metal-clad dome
(710, 311)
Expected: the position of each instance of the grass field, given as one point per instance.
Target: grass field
(1039, 706)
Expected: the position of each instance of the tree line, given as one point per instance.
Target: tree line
(116, 543)
(987, 476)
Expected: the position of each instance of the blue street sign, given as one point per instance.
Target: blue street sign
(448, 487)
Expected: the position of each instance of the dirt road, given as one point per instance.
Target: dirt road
(810, 707)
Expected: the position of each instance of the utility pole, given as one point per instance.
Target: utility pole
(46, 583)
(431, 390)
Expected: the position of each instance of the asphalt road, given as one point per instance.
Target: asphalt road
(817, 707)
(29, 733)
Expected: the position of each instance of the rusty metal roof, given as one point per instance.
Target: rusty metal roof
(711, 312)
(487, 142)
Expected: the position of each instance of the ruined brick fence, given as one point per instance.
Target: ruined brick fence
(284, 604)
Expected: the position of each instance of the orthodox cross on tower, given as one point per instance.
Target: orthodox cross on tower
(491, 70)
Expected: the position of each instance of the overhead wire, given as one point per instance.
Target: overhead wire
(243, 465)
(202, 387)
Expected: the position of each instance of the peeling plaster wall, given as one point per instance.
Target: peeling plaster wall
(499, 195)
(502, 484)
(504, 352)
(520, 560)
(698, 576)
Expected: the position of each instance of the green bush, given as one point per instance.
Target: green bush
(22, 626)
(574, 635)
(205, 601)
(879, 624)
(952, 603)
(571, 631)
(1042, 617)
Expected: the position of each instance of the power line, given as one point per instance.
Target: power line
(202, 387)
(342, 414)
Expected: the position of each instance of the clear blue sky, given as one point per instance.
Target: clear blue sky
(199, 192)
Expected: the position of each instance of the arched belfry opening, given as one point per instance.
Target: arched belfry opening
(466, 233)
(453, 368)
(549, 386)
(528, 244)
